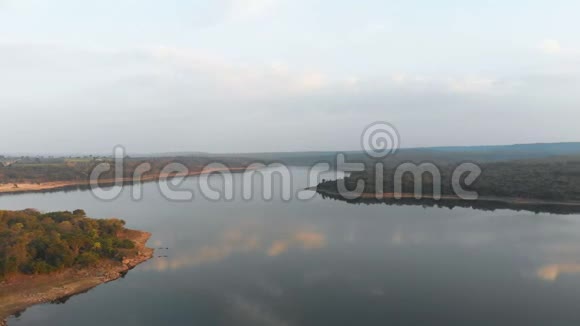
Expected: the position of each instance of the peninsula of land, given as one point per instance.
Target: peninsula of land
(539, 185)
(50, 257)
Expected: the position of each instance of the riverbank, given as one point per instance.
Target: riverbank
(24, 291)
(450, 201)
(507, 200)
(16, 188)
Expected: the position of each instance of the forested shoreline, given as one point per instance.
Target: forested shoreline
(551, 179)
(39, 170)
(46, 257)
(33, 243)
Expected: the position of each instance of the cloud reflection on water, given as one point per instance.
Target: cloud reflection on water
(552, 272)
(242, 240)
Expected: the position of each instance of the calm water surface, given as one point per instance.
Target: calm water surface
(324, 262)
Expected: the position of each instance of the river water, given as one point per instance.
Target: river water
(324, 262)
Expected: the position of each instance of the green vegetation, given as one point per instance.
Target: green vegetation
(549, 179)
(37, 170)
(36, 243)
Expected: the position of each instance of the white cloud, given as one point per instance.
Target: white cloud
(174, 68)
(281, 80)
(551, 47)
(473, 85)
(247, 81)
(312, 81)
(453, 85)
(168, 88)
(251, 9)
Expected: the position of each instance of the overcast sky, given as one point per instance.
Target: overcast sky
(285, 75)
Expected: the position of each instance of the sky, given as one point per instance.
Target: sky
(284, 75)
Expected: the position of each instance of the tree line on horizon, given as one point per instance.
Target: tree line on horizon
(41, 170)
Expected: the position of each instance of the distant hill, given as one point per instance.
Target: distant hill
(489, 153)
(509, 152)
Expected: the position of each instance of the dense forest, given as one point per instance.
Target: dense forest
(555, 179)
(35, 243)
(39, 170)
